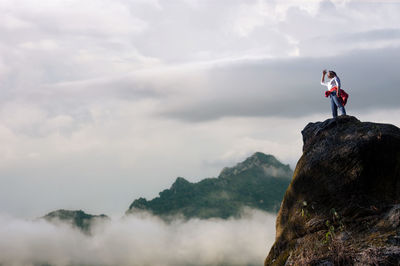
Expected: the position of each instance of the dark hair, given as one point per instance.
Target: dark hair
(332, 73)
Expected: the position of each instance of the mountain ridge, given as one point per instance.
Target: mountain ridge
(258, 158)
(76, 218)
(258, 182)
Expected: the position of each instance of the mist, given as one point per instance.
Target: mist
(139, 240)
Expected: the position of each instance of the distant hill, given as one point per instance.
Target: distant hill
(78, 219)
(258, 182)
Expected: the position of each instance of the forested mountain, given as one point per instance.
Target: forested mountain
(258, 182)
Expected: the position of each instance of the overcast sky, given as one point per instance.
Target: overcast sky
(105, 101)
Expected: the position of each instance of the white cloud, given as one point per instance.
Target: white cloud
(72, 16)
(138, 240)
(10, 22)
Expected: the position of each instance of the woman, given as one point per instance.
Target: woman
(334, 95)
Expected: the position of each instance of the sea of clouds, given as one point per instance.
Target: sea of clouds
(139, 240)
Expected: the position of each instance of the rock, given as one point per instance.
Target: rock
(379, 256)
(325, 263)
(393, 216)
(341, 205)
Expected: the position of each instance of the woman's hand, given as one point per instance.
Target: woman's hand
(323, 77)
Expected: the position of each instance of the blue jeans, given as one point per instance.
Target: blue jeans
(335, 104)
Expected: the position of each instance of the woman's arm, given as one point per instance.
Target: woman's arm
(323, 78)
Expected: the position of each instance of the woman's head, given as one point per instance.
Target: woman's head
(331, 74)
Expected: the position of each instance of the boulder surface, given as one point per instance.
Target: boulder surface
(342, 206)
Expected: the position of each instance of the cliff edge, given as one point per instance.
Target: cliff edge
(342, 206)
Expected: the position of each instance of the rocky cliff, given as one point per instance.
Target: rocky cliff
(342, 206)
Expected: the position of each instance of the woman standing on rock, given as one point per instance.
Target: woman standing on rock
(334, 94)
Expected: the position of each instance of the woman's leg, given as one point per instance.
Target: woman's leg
(333, 106)
(342, 110)
(338, 103)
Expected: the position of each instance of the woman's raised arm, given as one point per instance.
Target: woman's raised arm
(323, 77)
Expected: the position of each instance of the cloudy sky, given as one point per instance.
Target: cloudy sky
(104, 101)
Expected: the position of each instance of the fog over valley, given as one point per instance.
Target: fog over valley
(139, 240)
